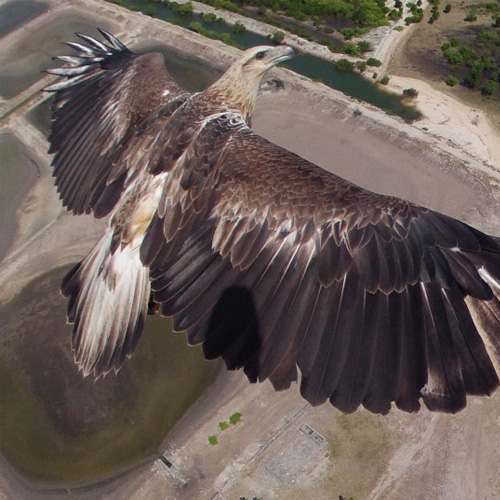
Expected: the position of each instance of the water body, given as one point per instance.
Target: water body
(18, 172)
(191, 73)
(350, 83)
(57, 427)
(18, 12)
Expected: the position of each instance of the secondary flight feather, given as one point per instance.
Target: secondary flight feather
(270, 262)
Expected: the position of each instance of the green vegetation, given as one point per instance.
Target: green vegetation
(184, 9)
(447, 8)
(344, 65)
(470, 17)
(361, 66)
(235, 418)
(150, 10)
(239, 27)
(278, 37)
(434, 11)
(226, 5)
(351, 49)
(416, 11)
(475, 63)
(223, 426)
(384, 80)
(210, 17)
(349, 33)
(322, 13)
(364, 46)
(371, 61)
(410, 92)
(223, 37)
(213, 440)
(451, 81)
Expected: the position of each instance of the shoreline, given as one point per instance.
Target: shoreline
(320, 114)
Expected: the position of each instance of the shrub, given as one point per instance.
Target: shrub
(209, 17)
(470, 17)
(278, 37)
(195, 26)
(183, 9)
(364, 46)
(361, 66)
(371, 61)
(239, 27)
(410, 92)
(351, 49)
(451, 81)
(344, 65)
(384, 80)
(447, 8)
(223, 426)
(490, 87)
(213, 440)
(235, 418)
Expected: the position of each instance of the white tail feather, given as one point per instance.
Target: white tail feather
(109, 299)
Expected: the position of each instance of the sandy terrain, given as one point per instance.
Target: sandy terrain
(270, 453)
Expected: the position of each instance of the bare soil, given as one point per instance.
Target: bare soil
(420, 55)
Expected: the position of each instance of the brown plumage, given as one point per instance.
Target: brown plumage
(270, 262)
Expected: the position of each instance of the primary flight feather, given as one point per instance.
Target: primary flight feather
(265, 259)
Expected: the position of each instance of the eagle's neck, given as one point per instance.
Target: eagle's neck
(234, 91)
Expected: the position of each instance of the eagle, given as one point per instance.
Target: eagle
(271, 263)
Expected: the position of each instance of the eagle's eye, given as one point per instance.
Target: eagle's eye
(260, 55)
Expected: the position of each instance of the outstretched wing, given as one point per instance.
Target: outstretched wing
(109, 92)
(278, 266)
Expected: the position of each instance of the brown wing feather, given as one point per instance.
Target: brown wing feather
(364, 293)
(103, 101)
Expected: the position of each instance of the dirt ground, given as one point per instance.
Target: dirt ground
(420, 55)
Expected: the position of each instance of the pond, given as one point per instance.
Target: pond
(59, 428)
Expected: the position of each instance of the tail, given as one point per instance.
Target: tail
(108, 301)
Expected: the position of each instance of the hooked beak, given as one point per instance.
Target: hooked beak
(282, 53)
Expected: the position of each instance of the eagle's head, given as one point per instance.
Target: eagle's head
(238, 86)
(257, 60)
